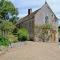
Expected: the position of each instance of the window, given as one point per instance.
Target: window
(52, 15)
(46, 19)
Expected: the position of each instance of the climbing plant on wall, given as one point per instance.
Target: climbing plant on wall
(43, 32)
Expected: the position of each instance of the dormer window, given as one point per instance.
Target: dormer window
(46, 19)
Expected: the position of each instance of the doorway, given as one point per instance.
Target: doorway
(53, 35)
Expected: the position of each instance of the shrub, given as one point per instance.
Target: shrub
(12, 38)
(4, 41)
(23, 34)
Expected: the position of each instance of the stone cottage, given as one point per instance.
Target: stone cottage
(40, 17)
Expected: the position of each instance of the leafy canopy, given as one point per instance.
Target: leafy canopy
(6, 9)
(7, 26)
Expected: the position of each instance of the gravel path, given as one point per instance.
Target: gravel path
(33, 51)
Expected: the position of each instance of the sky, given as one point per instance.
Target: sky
(24, 5)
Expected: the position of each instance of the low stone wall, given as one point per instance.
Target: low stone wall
(3, 49)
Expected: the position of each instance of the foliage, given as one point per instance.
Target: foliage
(8, 12)
(4, 41)
(44, 35)
(59, 29)
(42, 32)
(7, 9)
(23, 34)
(7, 26)
(14, 19)
(46, 26)
(12, 38)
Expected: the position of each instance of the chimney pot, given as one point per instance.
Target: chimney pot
(29, 11)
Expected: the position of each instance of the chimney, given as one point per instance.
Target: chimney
(29, 11)
(45, 2)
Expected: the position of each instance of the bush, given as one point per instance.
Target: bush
(4, 41)
(23, 34)
(12, 38)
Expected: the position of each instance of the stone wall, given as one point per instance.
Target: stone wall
(42, 34)
(40, 18)
(29, 25)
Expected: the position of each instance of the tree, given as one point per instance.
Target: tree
(14, 19)
(7, 12)
(7, 27)
(7, 9)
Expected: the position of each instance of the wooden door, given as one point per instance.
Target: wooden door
(53, 36)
